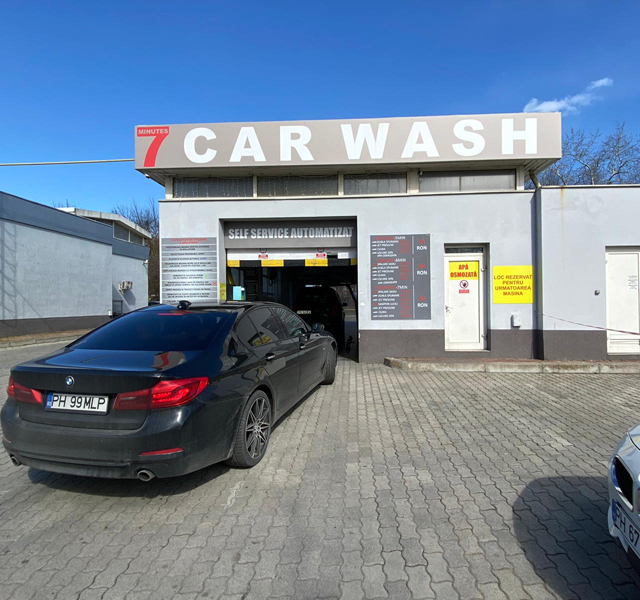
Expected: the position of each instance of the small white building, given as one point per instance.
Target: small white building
(67, 269)
(126, 266)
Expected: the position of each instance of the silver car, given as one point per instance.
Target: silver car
(624, 492)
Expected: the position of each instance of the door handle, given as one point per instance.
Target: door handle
(270, 356)
(302, 345)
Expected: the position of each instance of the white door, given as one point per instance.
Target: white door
(623, 302)
(464, 320)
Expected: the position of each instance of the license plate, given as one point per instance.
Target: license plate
(623, 522)
(303, 312)
(77, 403)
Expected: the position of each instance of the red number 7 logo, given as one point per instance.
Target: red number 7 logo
(159, 134)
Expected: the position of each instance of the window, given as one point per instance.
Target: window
(120, 232)
(213, 187)
(375, 183)
(488, 181)
(248, 334)
(298, 185)
(267, 325)
(468, 181)
(293, 323)
(463, 249)
(440, 182)
(161, 330)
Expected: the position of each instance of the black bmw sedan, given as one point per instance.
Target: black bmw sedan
(164, 391)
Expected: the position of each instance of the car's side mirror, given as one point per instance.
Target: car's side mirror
(317, 328)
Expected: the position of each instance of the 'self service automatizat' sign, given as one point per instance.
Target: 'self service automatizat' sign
(312, 233)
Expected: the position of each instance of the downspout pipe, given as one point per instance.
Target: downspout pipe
(538, 324)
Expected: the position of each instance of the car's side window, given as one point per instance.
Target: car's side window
(247, 333)
(294, 325)
(267, 325)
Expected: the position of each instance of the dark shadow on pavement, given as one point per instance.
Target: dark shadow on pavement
(128, 487)
(134, 488)
(561, 524)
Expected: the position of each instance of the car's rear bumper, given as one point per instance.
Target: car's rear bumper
(117, 453)
(161, 467)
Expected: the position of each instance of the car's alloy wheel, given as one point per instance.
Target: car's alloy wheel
(252, 435)
(258, 427)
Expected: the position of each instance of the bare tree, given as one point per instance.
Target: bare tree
(591, 159)
(146, 216)
(143, 215)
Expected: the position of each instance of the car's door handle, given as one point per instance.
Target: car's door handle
(302, 345)
(270, 356)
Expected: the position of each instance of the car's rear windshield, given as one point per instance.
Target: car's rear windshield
(159, 330)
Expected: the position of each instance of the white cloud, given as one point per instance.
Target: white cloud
(598, 83)
(569, 104)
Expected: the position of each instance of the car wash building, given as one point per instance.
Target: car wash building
(423, 225)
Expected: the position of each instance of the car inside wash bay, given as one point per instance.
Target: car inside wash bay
(431, 231)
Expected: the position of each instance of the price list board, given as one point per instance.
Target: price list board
(400, 277)
(189, 270)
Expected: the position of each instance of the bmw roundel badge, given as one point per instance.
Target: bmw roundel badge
(69, 381)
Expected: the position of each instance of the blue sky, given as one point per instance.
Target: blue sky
(76, 77)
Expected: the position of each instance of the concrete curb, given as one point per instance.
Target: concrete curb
(506, 366)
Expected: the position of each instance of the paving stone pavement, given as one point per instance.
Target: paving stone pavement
(388, 484)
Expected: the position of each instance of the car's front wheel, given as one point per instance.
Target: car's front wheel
(254, 429)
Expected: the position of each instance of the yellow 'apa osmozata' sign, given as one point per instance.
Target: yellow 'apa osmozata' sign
(467, 269)
(513, 285)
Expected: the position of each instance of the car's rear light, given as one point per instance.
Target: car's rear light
(160, 452)
(177, 392)
(22, 393)
(165, 394)
(138, 400)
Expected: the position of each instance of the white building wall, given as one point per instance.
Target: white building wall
(124, 268)
(577, 225)
(502, 221)
(44, 274)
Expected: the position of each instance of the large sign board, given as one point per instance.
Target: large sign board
(400, 277)
(189, 268)
(350, 142)
(311, 233)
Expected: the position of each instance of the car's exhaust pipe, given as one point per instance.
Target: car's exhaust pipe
(14, 460)
(145, 475)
